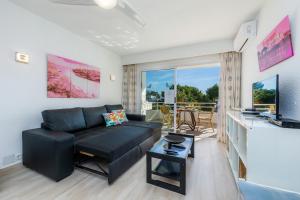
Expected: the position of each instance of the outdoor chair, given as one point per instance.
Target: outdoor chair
(206, 117)
(167, 115)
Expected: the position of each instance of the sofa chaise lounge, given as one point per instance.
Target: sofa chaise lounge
(70, 137)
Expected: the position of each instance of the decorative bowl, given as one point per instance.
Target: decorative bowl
(174, 139)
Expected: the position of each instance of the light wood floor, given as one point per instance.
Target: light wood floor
(208, 178)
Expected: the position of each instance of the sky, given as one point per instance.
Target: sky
(201, 78)
(269, 84)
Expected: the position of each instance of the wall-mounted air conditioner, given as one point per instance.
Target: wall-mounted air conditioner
(246, 32)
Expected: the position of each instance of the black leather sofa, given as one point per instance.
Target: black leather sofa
(69, 136)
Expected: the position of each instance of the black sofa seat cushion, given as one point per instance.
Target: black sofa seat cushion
(155, 126)
(93, 116)
(68, 120)
(113, 142)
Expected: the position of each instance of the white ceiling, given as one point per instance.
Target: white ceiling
(170, 23)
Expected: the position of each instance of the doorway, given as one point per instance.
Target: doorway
(183, 98)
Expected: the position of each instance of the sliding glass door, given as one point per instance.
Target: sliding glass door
(183, 98)
(159, 97)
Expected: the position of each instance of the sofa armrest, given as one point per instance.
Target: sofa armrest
(48, 134)
(48, 152)
(135, 117)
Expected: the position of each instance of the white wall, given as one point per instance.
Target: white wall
(289, 71)
(23, 87)
(181, 52)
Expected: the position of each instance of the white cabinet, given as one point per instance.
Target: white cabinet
(263, 153)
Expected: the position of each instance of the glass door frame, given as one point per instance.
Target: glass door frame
(175, 90)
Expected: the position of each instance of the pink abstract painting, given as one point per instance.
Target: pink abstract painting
(72, 79)
(277, 47)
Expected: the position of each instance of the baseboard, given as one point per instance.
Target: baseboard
(275, 188)
(11, 165)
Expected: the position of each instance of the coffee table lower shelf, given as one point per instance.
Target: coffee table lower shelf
(174, 170)
(168, 169)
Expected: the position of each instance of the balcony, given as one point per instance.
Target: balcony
(199, 117)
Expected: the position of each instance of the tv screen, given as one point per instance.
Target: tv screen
(266, 95)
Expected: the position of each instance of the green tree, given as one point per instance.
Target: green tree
(186, 94)
(190, 94)
(213, 93)
(264, 96)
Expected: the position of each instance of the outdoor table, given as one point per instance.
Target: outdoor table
(192, 124)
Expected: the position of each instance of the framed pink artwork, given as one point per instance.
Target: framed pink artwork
(277, 46)
(71, 79)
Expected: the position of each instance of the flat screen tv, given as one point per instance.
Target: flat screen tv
(265, 95)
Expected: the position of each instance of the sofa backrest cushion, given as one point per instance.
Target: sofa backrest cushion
(69, 120)
(94, 116)
(110, 108)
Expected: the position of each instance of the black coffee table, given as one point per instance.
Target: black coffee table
(171, 166)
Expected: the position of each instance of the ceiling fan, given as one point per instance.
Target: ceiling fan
(121, 5)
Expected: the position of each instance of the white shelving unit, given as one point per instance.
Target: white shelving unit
(263, 153)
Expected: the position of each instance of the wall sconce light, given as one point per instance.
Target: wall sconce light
(22, 58)
(112, 77)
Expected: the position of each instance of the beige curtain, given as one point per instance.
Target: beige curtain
(230, 89)
(129, 88)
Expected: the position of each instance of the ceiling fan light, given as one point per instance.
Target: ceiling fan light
(106, 4)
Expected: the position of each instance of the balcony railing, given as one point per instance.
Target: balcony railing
(205, 106)
(153, 111)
